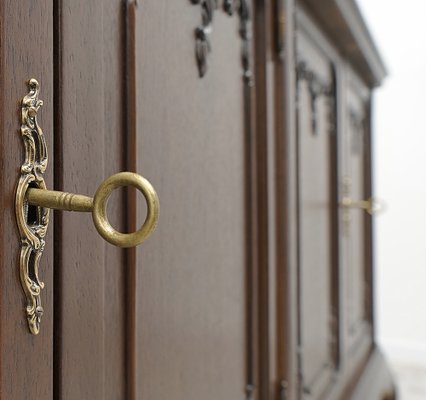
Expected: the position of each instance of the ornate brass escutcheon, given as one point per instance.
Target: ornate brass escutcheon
(32, 223)
(33, 203)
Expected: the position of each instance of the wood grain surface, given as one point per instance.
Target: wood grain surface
(191, 292)
(25, 52)
(91, 308)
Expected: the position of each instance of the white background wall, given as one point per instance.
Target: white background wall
(399, 29)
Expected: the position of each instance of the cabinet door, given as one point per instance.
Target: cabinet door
(356, 222)
(170, 319)
(316, 215)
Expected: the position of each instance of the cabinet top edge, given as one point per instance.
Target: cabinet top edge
(344, 24)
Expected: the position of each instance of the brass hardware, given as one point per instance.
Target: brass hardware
(32, 224)
(97, 206)
(372, 206)
(59, 200)
(100, 203)
(33, 203)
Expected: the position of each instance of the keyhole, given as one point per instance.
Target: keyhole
(32, 211)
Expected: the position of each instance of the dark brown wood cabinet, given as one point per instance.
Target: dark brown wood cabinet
(252, 119)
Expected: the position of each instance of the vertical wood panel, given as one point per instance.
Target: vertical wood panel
(286, 157)
(368, 219)
(115, 161)
(91, 346)
(191, 292)
(357, 237)
(262, 43)
(315, 257)
(26, 49)
(82, 126)
(130, 134)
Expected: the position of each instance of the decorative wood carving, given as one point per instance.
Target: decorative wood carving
(250, 392)
(203, 32)
(317, 88)
(245, 33)
(228, 6)
(357, 131)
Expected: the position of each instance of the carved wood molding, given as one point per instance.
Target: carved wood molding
(202, 33)
(357, 122)
(245, 33)
(317, 88)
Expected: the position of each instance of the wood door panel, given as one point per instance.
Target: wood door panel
(317, 237)
(91, 278)
(191, 298)
(26, 52)
(115, 306)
